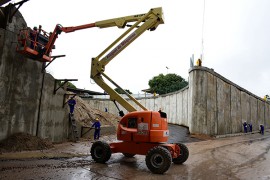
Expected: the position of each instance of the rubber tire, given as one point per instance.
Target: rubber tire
(101, 152)
(158, 160)
(184, 153)
(128, 155)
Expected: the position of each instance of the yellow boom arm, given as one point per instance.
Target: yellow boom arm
(143, 22)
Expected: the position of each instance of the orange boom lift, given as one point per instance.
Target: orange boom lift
(140, 131)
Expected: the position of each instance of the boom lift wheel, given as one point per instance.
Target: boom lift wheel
(101, 152)
(158, 160)
(184, 153)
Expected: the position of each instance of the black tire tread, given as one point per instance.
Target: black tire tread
(106, 151)
(167, 159)
(184, 154)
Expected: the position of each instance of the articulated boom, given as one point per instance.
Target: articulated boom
(38, 44)
(143, 22)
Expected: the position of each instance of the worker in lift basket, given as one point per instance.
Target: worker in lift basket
(33, 37)
(96, 125)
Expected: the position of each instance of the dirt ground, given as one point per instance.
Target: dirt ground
(242, 156)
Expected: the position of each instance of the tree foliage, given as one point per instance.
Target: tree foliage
(163, 84)
(118, 90)
(69, 84)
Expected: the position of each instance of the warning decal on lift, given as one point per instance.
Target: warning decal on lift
(166, 133)
(142, 129)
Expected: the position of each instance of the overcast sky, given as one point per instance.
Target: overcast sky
(236, 38)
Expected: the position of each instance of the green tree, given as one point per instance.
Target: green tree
(163, 84)
(69, 84)
(122, 92)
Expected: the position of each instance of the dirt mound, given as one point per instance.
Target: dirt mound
(24, 142)
(85, 114)
(201, 136)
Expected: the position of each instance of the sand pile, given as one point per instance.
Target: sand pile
(85, 114)
(24, 142)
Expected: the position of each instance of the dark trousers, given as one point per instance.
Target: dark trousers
(96, 134)
(245, 129)
(71, 109)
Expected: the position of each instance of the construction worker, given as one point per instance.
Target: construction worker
(250, 127)
(71, 103)
(266, 98)
(33, 37)
(96, 125)
(262, 129)
(245, 126)
(199, 62)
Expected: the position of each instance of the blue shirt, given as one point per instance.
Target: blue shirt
(97, 125)
(71, 102)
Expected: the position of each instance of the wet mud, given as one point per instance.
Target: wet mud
(239, 157)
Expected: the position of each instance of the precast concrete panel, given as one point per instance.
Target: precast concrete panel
(267, 116)
(245, 107)
(223, 107)
(157, 103)
(190, 100)
(173, 108)
(200, 101)
(253, 110)
(151, 104)
(185, 101)
(261, 114)
(167, 105)
(53, 122)
(179, 108)
(101, 105)
(236, 115)
(211, 104)
(162, 104)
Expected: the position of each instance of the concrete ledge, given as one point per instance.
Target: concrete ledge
(239, 134)
(211, 71)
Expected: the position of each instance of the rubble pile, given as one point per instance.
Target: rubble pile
(24, 142)
(85, 114)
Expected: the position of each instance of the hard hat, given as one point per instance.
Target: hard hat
(35, 28)
(97, 118)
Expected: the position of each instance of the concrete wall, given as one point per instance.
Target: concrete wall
(53, 120)
(211, 105)
(227, 105)
(24, 106)
(174, 104)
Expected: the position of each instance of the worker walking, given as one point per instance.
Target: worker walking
(71, 103)
(96, 125)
